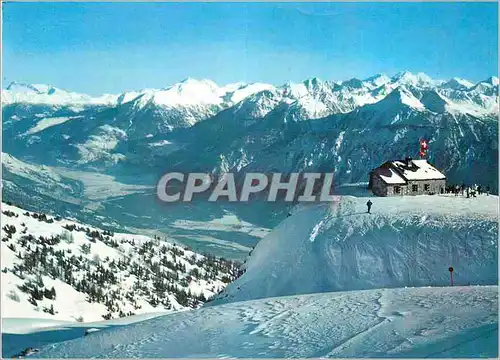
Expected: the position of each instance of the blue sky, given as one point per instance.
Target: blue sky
(112, 47)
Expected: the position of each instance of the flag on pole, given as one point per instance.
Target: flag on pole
(424, 146)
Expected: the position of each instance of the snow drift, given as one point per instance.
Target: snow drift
(406, 241)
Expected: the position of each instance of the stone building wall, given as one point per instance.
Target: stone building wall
(415, 187)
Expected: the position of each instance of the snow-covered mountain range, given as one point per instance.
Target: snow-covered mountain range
(316, 97)
(117, 129)
(129, 140)
(70, 159)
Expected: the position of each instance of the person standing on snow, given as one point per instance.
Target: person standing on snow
(369, 205)
(473, 191)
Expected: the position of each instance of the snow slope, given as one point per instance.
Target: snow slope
(413, 322)
(97, 274)
(17, 332)
(45, 123)
(406, 241)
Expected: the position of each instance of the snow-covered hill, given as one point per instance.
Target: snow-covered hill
(57, 269)
(406, 241)
(413, 323)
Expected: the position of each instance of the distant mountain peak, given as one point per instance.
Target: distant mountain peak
(313, 84)
(313, 80)
(353, 83)
(410, 78)
(400, 97)
(193, 81)
(17, 86)
(378, 79)
(19, 92)
(457, 83)
(492, 80)
(377, 76)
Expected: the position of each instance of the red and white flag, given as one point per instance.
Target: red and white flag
(424, 146)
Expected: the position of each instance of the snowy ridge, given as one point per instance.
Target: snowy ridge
(46, 94)
(45, 123)
(457, 84)
(58, 269)
(406, 241)
(38, 173)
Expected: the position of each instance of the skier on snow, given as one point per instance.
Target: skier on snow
(369, 205)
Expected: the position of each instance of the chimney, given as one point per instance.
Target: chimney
(408, 161)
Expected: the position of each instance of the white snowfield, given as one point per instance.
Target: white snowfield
(48, 122)
(17, 332)
(413, 322)
(406, 241)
